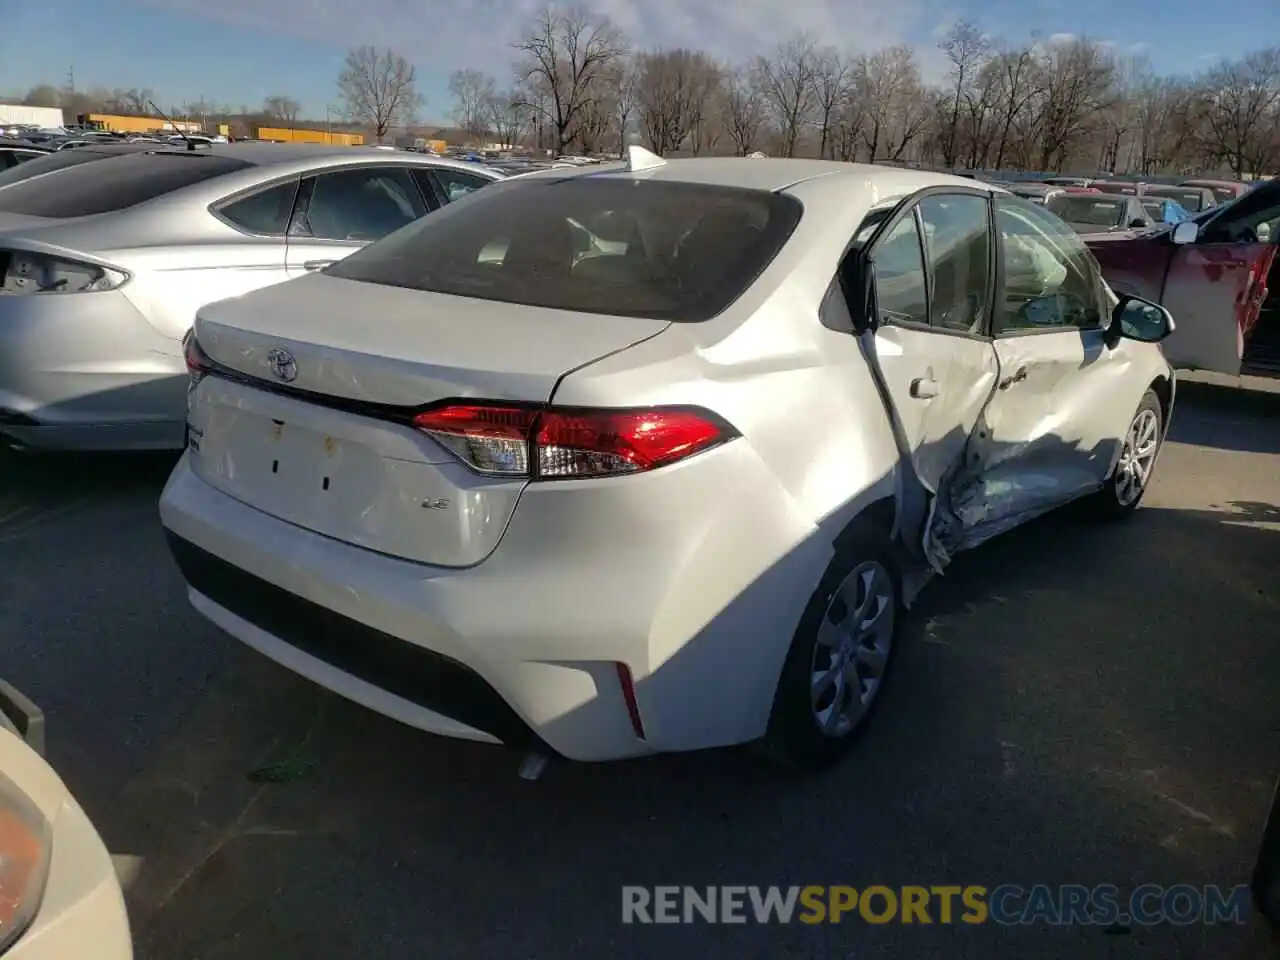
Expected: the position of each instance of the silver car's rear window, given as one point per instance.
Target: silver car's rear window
(58, 160)
(112, 184)
(591, 244)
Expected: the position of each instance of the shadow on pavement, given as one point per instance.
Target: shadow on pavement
(1101, 712)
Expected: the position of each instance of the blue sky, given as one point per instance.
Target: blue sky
(239, 51)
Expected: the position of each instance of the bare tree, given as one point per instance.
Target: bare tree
(1239, 109)
(473, 93)
(508, 116)
(831, 89)
(742, 110)
(43, 95)
(967, 49)
(1018, 83)
(672, 92)
(786, 81)
(1078, 77)
(561, 60)
(379, 89)
(281, 108)
(897, 108)
(623, 81)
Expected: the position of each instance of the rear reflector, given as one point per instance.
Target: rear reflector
(563, 444)
(629, 695)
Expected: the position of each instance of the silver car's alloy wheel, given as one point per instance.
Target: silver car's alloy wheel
(1137, 457)
(852, 648)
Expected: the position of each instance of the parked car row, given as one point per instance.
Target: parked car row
(1218, 268)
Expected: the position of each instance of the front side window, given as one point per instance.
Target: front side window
(361, 205)
(607, 245)
(1050, 278)
(957, 232)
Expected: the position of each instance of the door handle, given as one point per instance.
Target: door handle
(311, 266)
(1018, 377)
(922, 388)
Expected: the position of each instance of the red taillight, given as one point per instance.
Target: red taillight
(522, 441)
(198, 362)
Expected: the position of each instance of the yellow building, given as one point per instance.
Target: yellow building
(117, 123)
(291, 135)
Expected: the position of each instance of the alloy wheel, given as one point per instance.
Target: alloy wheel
(1137, 457)
(852, 648)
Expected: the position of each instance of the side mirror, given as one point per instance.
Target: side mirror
(1137, 319)
(858, 277)
(1186, 232)
(1138, 222)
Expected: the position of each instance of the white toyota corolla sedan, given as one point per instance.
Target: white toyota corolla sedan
(652, 456)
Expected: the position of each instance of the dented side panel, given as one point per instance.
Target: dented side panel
(1050, 433)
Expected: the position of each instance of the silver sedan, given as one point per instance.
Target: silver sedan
(104, 265)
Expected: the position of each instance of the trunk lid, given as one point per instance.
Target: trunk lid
(350, 473)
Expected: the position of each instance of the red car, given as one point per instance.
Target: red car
(1215, 273)
(1125, 188)
(1224, 191)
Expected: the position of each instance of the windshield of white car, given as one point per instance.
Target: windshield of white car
(112, 184)
(1089, 210)
(634, 248)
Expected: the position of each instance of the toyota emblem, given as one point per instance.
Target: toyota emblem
(283, 366)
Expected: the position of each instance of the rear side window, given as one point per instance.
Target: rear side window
(115, 183)
(592, 244)
(265, 213)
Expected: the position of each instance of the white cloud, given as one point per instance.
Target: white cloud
(942, 27)
(1061, 37)
(1134, 49)
(443, 35)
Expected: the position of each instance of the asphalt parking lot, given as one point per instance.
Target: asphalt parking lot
(1073, 704)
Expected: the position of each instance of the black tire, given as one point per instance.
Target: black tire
(1266, 872)
(1110, 503)
(794, 737)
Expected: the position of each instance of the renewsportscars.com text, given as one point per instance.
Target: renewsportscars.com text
(1007, 904)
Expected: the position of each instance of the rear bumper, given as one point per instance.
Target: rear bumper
(525, 647)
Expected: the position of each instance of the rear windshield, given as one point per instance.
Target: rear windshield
(114, 183)
(1083, 208)
(1192, 200)
(46, 164)
(592, 244)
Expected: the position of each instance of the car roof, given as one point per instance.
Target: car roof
(24, 144)
(771, 173)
